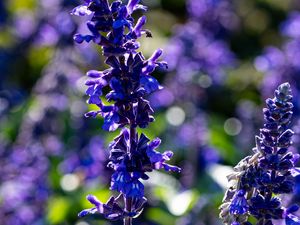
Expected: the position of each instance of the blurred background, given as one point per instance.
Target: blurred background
(225, 57)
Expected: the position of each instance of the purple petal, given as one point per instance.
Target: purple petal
(156, 55)
(90, 90)
(78, 38)
(154, 143)
(292, 220)
(87, 211)
(168, 167)
(92, 114)
(131, 5)
(81, 10)
(94, 99)
(94, 74)
(139, 25)
(168, 155)
(150, 84)
(93, 199)
(295, 171)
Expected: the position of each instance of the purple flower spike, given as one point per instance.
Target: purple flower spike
(129, 82)
(268, 173)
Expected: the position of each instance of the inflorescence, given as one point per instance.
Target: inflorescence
(129, 79)
(260, 179)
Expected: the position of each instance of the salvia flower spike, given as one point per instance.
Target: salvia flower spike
(129, 79)
(259, 180)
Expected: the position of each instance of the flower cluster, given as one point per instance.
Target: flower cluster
(199, 46)
(194, 49)
(25, 165)
(198, 54)
(258, 180)
(214, 16)
(25, 187)
(129, 80)
(282, 64)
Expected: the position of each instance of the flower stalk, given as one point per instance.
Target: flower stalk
(129, 81)
(259, 180)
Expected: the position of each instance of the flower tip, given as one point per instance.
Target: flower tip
(93, 199)
(91, 114)
(159, 51)
(169, 154)
(93, 73)
(171, 168)
(78, 38)
(131, 4)
(88, 197)
(83, 213)
(156, 55)
(284, 88)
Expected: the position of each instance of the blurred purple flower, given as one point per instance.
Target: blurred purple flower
(198, 56)
(194, 50)
(216, 16)
(25, 187)
(291, 26)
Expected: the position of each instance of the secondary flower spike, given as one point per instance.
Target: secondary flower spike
(259, 180)
(128, 81)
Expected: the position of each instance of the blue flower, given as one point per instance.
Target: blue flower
(266, 207)
(110, 209)
(133, 5)
(134, 189)
(111, 121)
(239, 203)
(159, 159)
(124, 85)
(270, 171)
(292, 220)
(119, 180)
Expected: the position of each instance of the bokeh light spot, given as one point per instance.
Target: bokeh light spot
(69, 182)
(82, 223)
(180, 203)
(175, 116)
(232, 126)
(204, 81)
